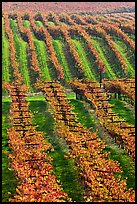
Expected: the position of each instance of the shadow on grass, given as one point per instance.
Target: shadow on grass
(84, 117)
(123, 111)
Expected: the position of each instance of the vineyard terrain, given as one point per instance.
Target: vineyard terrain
(68, 102)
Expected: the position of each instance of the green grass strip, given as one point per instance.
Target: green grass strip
(41, 53)
(42, 58)
(39, 23)
(71, 95)
(51, 23)
(9, 181)
(124, 112)
(6, 99)
(26, 23)
(82, 55)
(109, 74)
(84, 117)
(28, 98)
(123, 51)
(5, 56)
(21, 53)
(58, 46)
(129, 53)
(109, 56)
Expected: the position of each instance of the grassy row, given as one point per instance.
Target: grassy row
(127, 55)
(39, 23)
(124, 50)
(84, 116)
(28, 98)
(109, 73)
(26, 23)
(124, 112)
(41, 54)
(51, 23)
(58, 46)
(130, 72)
(42, 58)
(89, 71)
(5, 56)
(112, 64)
(21, 54)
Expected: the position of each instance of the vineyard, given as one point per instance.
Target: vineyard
(68, 107)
